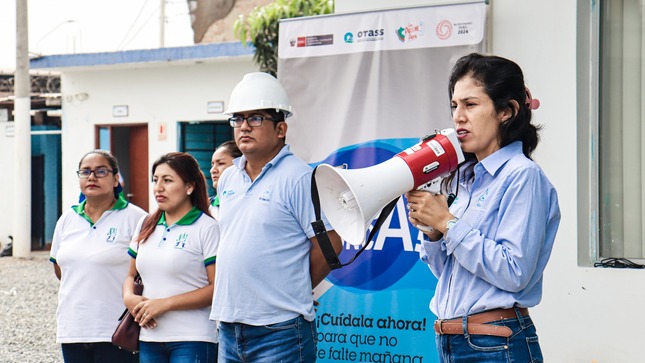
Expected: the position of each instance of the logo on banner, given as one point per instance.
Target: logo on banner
(370, 35)
(444, 29)
(312, 40)
(349, 38)
(463, 28)
(410, 32)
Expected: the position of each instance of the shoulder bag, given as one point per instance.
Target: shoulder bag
(126, 335)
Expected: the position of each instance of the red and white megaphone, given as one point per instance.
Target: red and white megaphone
(352, 198)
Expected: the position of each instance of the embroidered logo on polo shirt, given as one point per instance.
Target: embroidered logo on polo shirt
(228, 193)
(111, 235)
(181, 240)
(482, 199)
(265, 197)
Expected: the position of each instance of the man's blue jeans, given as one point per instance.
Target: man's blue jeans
(521, 346)
(96, 353)
(177, 352)
(291, 341)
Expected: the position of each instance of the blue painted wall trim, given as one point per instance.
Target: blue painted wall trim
(200, 51)
(50, 147)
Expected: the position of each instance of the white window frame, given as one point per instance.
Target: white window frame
(588, 125)
(588, 74)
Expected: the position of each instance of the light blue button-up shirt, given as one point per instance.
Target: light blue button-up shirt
(494, 256)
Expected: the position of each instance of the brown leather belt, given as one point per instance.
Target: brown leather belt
(477, 323)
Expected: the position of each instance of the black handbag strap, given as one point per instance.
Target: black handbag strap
(321, 233)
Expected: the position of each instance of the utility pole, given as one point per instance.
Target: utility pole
(22, 127)
(162, 23)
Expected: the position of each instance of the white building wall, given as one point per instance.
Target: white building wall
(587, 314)
(161, 94)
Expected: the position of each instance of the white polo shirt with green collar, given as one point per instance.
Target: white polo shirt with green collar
(214, 207)
(173, 261)
(93, 260)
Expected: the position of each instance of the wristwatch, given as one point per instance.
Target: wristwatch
(450, 224)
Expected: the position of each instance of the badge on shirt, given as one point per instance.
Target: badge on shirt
(181, 240)
(265, 196)
(111, 235)
(482, 199)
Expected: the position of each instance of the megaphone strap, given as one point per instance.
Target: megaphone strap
(379, 221)
(319, 228)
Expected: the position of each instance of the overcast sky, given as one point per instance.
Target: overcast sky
(87, 26)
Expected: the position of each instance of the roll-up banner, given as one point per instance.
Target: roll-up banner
(364, 87)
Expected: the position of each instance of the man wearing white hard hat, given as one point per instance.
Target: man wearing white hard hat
(269, 260)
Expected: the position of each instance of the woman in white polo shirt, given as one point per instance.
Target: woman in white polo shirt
(175, 255)
(89, 252)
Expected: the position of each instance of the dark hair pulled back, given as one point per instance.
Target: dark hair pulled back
(503, 82)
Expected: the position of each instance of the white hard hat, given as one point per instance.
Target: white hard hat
(258, 91)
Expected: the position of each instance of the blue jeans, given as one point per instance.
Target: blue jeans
(177, 352)
(96, 353)
(291, 341)
(521, 346)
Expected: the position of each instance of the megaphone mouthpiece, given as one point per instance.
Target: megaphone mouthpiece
(348, 200)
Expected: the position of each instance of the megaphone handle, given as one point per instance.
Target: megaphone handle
(451, 198)
(424, 228)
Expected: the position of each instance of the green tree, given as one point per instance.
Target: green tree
(260, 27)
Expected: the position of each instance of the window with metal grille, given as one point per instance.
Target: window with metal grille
(200, 139)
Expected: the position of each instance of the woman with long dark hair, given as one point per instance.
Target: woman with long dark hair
(174, 253)
(489, 248)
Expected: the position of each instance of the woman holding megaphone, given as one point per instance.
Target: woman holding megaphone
(489, 248)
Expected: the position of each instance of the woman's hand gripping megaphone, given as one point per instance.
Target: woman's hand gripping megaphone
(417, 204)
(428, 210)
(434, 187)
